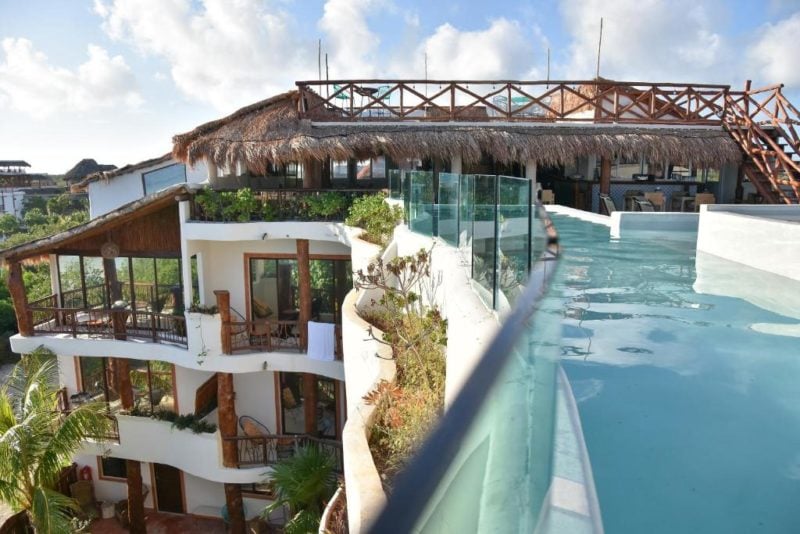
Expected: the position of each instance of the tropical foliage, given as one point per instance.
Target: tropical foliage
(376, 217)
(303, 483)
(37, 441)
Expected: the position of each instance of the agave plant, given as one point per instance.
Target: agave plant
(37, 441)
(303, 483)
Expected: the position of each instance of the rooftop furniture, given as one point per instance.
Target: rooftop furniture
(656, 198)
(630, 199)
(643, 205)
(676, 199)
(607, 204)
(548, 197)
(687, 203)
(703, 198)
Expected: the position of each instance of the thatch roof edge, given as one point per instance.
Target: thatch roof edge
(108, 175)
(40, 246)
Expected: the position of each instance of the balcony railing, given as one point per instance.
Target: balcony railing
(271, 335)
(275, 205)
(600, 101)
(64, 409)
(102, 323)
(270, 449)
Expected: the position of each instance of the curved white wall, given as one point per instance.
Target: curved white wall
(152, 441)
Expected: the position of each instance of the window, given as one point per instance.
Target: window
(195, 280)
(153, 387)
(292, 397)
(259, 490)
(111, 467)
(98, 381)
(164, 177)
(274, 292)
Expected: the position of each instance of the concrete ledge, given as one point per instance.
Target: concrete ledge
(639, 223)
(262, 231)
(771, 244)
(579, 214)
(366, 362)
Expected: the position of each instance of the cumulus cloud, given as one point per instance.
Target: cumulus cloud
(502, 50)
(351, 43)
(31, 84)
(225, 52)
(773, 56)
(656, 40)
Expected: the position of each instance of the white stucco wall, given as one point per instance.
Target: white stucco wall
(108, 195)
(640, 223)
(763, 237)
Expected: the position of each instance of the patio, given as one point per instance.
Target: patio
(159, 523)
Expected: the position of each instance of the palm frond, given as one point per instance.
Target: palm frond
(50, 512)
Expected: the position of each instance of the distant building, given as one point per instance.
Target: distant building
(16, 183)
(84, 168)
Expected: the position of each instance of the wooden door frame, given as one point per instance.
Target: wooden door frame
(154, 489)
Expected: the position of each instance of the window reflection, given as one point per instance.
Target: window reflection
(293, 411)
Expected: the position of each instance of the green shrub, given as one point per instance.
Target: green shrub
(182, 422)
(376, 217)
(326, 205)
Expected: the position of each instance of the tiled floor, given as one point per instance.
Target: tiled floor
(164, 524)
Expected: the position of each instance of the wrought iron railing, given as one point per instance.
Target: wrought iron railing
(100, 322)
(271, 335)
(270, 449)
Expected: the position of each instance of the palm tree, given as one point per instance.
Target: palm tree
(303, 483)
(37, 441)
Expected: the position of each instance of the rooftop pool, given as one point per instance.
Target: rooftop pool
(689, 397)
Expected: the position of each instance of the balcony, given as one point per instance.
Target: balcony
(267, 450)
(275, 335)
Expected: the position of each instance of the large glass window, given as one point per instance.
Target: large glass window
(274, 292)
(293, 413)
(71, 281)
(152, 383)
(164, 177)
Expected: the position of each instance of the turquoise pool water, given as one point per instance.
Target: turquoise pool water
(691, 415)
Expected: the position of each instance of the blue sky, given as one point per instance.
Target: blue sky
(115, 79)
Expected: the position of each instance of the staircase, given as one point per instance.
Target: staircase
(765, 124)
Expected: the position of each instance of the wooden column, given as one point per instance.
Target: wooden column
(113, 287)
(226, 402)
(16, 287)
(135, 498)
(122, 378)
(312, 174)
(309, 380)
(605, 178)
(224, 307)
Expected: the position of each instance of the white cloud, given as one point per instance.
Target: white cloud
(352, 45)
(659, 40)
(775, 56)
(30, 84)
(227, 52)
(502, 50)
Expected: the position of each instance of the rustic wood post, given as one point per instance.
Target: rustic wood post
(122, 377)
(135, 498)
(605, 178)
(16, 287)
(304, 281)
(309, 380)
(224, 307)
(226, 399)
(113, 287)
(119, 316)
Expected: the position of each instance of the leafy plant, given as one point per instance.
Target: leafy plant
(207, 310)
(37, 441)
(376, 217)
(303, 483)
(180, 421)
(326, 205)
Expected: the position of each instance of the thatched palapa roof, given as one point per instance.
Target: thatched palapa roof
(84, 168)
(271, 131)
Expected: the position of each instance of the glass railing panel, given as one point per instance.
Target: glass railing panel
(447, 208)
(395, 184)
(489, 464)
(466, 209)
(484, 232)
(421, 217)
(513, 238)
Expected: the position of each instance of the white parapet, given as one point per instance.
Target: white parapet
(762, 237)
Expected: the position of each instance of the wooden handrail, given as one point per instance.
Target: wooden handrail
(269, 449)
(272, 334)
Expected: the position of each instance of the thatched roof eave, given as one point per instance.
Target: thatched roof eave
(96, 226)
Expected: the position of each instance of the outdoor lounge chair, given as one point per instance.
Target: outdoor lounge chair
(643, 205)
(607, 204)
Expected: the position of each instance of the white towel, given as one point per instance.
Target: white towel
(321, 341)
